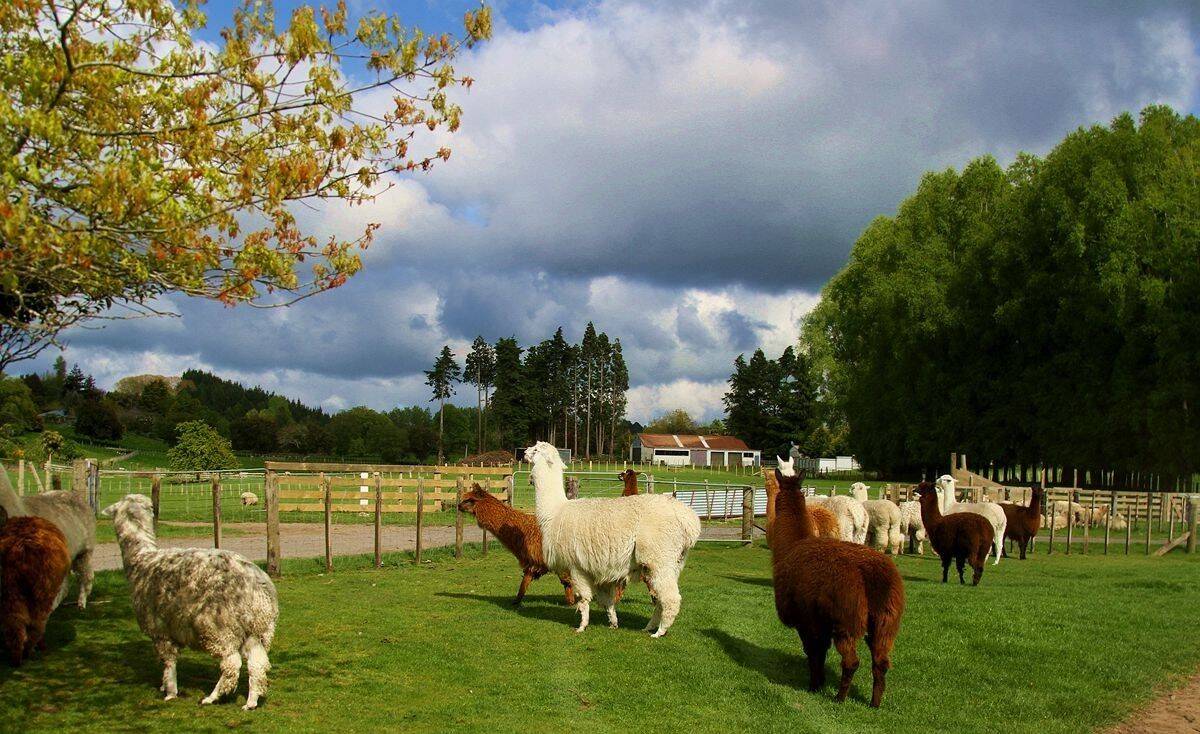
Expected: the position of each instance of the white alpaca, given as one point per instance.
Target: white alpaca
(853, 521)
(1081, 513)
(884, 520)
(70, 514)
(601, 541)
(249, 498)
(911, 524)
(992, 511)
(201, 598)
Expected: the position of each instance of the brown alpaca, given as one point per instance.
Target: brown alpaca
(33, 572)
(963, 537)
(518, 531)
(833, 591)
(629, 477)
(824, 523)
(1024, 520)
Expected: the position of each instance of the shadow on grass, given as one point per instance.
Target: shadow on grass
(550, 608)
(777, 666)
(751, 580)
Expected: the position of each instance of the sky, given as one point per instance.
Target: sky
(685, 175)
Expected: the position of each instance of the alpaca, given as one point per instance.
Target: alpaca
(33, 579)
(825, 525)
(884, 520)
(1059, 522)
(964, 537)
(249, 498)
(629, 477)
(991, 511)
(852, 517)
(518, 531)
(1024, 520)
(833, 591)
(202, 598)
(911, 526)
(70, 513)
(1080, 513)
(601, 541)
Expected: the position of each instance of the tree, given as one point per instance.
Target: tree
(481, 371)
(17, 408)
(362, 431)
(52, 443)
(200, 448)
(771, 403)
(98, 419)
(139, 162)
(256, 431)
(674, 422)
(587, 348)
(510, 400)
(441, 380)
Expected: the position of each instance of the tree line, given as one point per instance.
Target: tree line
(1047, 312)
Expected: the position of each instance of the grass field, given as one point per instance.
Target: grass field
(1053, 644)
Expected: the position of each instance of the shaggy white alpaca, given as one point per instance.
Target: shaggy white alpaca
(911, 524)
(70, 514)
(884, 520)
(249, 498)
(601, 541)
(202, 598)
(994, 513)
(852, 517)
(1081, 513)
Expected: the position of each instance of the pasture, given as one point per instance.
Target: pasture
(1053, 644)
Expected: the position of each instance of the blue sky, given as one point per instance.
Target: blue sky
(687, 175)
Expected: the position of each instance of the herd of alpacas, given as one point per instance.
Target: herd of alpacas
(833, 581)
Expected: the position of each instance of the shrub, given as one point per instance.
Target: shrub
(200, 447)
(98, 419)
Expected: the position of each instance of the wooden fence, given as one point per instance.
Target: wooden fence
(375, 489)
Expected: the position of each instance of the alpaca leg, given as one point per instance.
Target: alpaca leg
(231, 666)
(168, 654)
(880, 664)
(607, 596)
(524, 585)
(999, 546)
(945, 568)
(568, 592)
(667, 585)
(14, 640)
(978, 573)
(583, 600)
(257, 664)
(1024, 544)
(816, 649)
(960, 562)
(846, 647)
(82, 566)
(36, 634)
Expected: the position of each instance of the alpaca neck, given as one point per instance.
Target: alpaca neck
(9, 500)
(860, 494)
(631, 485)
(548, 490)
(931, 514)
(791, 517)
(946, 498)
(1035, 500)
(134, 537)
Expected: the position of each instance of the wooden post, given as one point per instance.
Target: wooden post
(1191, 524)
(271, 499)
(79, 474)
(458, 518)
(420, 518)
(1129, 526)
(378, 520)
(1050, 514)
(21, 477)
(747, 514)
(155, 499)
(1149, 519)
(1070, 519)
(1171, 518)
(1087, 526)
(328, 499)
(216, 498)
(1112, 503)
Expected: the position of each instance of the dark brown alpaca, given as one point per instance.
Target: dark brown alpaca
(519, 532)
(629, 477)
(1024, 520)
(833, 591)
(33, 567)
(962, 537)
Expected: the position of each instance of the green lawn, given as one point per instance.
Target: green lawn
(1053, 644)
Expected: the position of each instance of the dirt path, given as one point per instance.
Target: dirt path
(301, 540)
(1177, 712)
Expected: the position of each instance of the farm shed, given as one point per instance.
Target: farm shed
(692, 450)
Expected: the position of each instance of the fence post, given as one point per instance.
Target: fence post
(271, 498)
(1052, 515)
(1112, 507)
(378, 521)
(458, 518)
(420, 518)
(1070, 517)
(79, 473)
(328, 498)
(1129, 526)
(747, 515)
(1087, 526)
(216, 498)
(1191, 524)
(156, 498)
(21, 477)
(1149, 518)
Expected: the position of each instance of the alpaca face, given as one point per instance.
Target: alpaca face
(135, 507)
(544, 453)
(787, 467)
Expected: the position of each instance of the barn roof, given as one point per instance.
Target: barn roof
(686, 441)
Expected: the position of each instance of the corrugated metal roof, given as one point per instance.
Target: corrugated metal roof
(684, 441)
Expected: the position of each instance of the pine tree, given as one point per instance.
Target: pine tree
(510, 400)
(441, 379)
(481, 371)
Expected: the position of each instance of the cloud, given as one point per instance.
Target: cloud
(686, 176)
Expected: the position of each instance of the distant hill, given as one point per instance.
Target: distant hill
(232, 400)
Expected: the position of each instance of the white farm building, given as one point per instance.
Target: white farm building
(692, 450)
